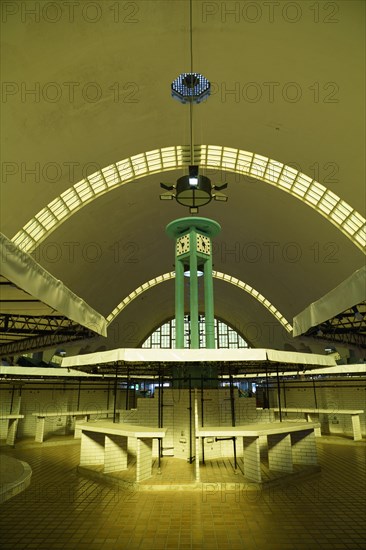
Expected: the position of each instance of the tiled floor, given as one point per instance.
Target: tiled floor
(63, 510)
(175, 473)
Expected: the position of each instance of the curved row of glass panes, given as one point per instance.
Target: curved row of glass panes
(225, 336)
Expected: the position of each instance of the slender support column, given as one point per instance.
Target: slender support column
(315, 399)
(190, 419)
(179, 304)
(279, 393)
(115, 396)
(209, 305)
(197, 464)
(193, 297)
(79, 388)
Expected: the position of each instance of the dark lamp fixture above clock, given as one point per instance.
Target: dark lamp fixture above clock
(193, 190)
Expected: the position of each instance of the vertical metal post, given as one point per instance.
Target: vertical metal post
(193, 294)
(12, 400)
(195, 431)
(190, 418)
(162, 402)
(127, 388)
(315, 399)
(279, 393)
(267, 390)
(159, 411)
(115, 396)
(233, 419)
(202, 420)
(179, 304)
(79, 390)
(108, 397)
(209, 305)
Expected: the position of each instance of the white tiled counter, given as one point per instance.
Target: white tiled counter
(81, 415)
(288, 443)
(313, 414)
(105, 442)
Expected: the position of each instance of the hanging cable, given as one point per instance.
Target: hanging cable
(191, 102)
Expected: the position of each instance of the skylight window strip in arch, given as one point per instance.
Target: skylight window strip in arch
(273, 171)
(35, 229)
(357, 218)
(168, 159)
(111, 176)
(300, 186)
(84, 190)
(139, 165)
(313, 195)
(59, 208)
(106, 186)
(230, 158)
(244, 162)
(217, 275)
(361, 237)
(97, 182)
(259, 166)
(25, 242)
(76, 190)
(47, 218)
(350, 226)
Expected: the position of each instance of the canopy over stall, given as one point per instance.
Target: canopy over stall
(235, 361)
(36, 309)
(339, 315)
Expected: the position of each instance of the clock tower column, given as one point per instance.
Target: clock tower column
(193, 255)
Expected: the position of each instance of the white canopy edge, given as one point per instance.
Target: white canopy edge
(22, 270)
(347, 294)
(338, 369)
(67, 373)
(300, 358)
(44, 372)
(195, 355)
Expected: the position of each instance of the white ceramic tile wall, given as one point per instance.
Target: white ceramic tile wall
(333, 395)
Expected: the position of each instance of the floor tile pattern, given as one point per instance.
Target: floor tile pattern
(63, 510)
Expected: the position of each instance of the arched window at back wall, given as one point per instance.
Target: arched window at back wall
(164, 336)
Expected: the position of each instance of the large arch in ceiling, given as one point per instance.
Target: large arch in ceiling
(217, 275)
(283, 177)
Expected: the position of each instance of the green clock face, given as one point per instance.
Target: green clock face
(203, 244)
(183, 245)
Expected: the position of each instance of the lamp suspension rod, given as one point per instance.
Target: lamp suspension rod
(191, 102)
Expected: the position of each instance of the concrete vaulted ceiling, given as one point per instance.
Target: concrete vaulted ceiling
(288, 84)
